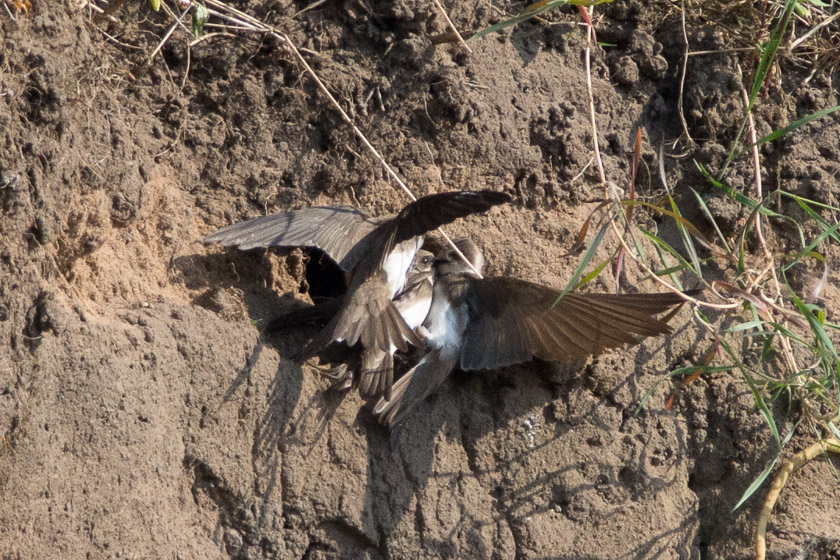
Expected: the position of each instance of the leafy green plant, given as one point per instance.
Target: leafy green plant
(795, 366)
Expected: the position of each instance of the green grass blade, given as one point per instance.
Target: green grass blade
(828, 229)
(759, 400)
(711, 218)
(688, 243)
(757, 482)
(584, 261)
(810, 202)
(673, 252)
(763, 476)
(731, 193)
(765, 63)
(593, 273)
(834, 431)
(769, 50)
(821, 336)
(776, 134)
(667, 271)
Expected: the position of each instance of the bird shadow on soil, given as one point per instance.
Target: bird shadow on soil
(468, 407)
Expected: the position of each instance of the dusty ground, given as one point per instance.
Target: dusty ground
(143, 415)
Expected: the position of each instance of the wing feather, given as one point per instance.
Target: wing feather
(376, 375)
(413, 387)
(435, 210)
(368, 319)
(336, 230)
(513, 320)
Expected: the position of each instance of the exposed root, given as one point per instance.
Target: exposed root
(809, 453)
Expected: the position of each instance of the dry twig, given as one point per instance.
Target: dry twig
(452, 25)
(590, 33)
(250, 23)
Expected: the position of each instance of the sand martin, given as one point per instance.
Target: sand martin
(375, 252)
(376, 370)
(372, 370)
(486, 323)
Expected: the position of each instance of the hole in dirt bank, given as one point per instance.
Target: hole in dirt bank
(35, 100)
(560, 498)
(174, 57)
(324, 277)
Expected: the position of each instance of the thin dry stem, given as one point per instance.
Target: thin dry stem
(682, 79)
(627, 250)
(243, 26)
(452, 25)
(582, 171)
(209, 36)
(282, 37)
(722, 51)
(587, 60)
(816, 28)
(168, 32)
(311, 6)
(787, 350)
(665, 284)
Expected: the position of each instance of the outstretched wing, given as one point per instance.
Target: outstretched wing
(512, 321)
(336, 230)
(430, 212)
(435, 210)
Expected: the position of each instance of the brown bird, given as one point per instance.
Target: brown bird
(374, 374)
(412, 302)
(375, 252)
(489, 323)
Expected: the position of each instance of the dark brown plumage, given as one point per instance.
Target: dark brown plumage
(372, 370)
(488, 323)
(523, 322)
(376, 253)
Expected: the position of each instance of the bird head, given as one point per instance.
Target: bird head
(449, 262)
(423, 261)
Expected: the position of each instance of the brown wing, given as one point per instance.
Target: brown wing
(367, 316)
(376, 374)
(512, 321)
(413, 387)
(430, 212)
(336, 230)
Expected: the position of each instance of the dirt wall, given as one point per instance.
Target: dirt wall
(143, 414)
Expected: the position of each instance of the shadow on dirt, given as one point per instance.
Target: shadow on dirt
(404, 475)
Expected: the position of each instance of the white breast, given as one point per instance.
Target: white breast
(445, 324)
(398, 262)
(415, 314)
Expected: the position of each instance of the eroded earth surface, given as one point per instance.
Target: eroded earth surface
(143, 414)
